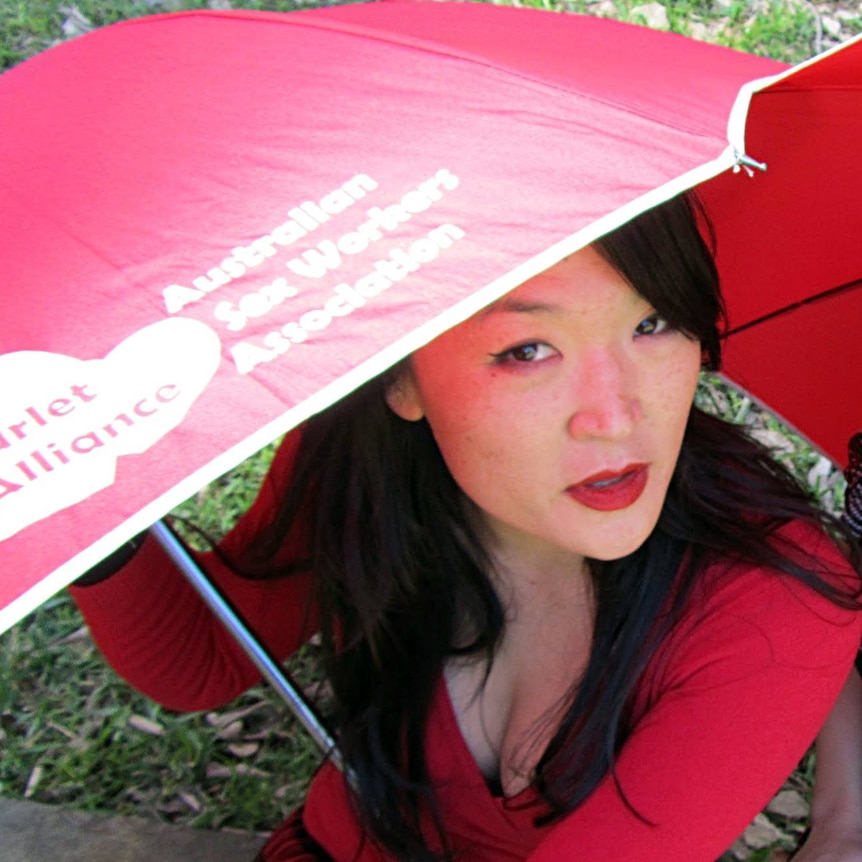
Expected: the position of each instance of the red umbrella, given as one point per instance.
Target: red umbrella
(217, 224)
(789, 251)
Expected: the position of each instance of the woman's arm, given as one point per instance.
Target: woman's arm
(836, 813)
(160, 636)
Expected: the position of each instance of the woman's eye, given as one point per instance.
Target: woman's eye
(655, 324)
(534, 351)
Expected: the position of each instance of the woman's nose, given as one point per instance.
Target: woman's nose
(605, 402)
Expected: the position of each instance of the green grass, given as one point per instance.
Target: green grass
(72, 733)
(780, 29)
(809, 466)
(217, 507)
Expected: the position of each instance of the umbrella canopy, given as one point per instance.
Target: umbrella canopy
(217, 224)
(789, 251)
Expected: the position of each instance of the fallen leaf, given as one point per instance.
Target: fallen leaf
(243, 749)
(219, 770)
(191, 801)
(223, 719)
(64, 730)
(146, 725)
(80, 634)
(32, 781)
(232, 731)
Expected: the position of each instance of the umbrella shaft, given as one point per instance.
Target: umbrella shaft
(248, 641)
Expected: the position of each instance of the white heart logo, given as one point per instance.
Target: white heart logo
(65, 421)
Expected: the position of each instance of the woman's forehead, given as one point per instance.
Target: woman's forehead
(576, 282)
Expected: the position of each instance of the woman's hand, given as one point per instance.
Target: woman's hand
(836, 810)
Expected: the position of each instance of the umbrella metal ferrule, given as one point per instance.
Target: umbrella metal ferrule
(745, 161)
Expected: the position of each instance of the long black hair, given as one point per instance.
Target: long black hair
(402, 574)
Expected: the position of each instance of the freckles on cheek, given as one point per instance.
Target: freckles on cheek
(667, 397)
(471, 455)
(680, 379)
(457, 403)
(676, 388)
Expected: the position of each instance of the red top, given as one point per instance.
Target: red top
(727, 707)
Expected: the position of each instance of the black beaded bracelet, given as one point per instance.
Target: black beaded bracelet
(112, 563)
(853, 494)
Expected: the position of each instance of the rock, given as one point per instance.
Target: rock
(718, 398)
(35, 833)
(698, 30)
(739, 850)
(820, 472)
(831, 27)
(762, 833)
(653, 14)
(75, 23)
(774, 440)
(604, 9)
(789, 804)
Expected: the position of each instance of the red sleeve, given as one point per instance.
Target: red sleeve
(290, 842)
(737, 695)
(158, 634)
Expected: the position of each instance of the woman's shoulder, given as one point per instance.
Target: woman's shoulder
(738, 605)
(805, 546)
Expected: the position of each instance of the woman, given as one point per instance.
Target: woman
(562, 609)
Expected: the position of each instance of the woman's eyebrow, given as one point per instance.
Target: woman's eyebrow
(512, 305)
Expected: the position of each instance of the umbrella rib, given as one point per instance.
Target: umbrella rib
(826, 294)
(456, 53)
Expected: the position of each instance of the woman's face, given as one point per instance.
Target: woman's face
(559, 411)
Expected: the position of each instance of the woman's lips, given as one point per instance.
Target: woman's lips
(609, 491)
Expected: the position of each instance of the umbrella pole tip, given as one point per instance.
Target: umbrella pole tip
(745, 161)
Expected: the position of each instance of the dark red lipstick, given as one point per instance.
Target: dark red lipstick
(611, 489)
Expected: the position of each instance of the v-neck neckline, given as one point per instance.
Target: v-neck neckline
(524, 798)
